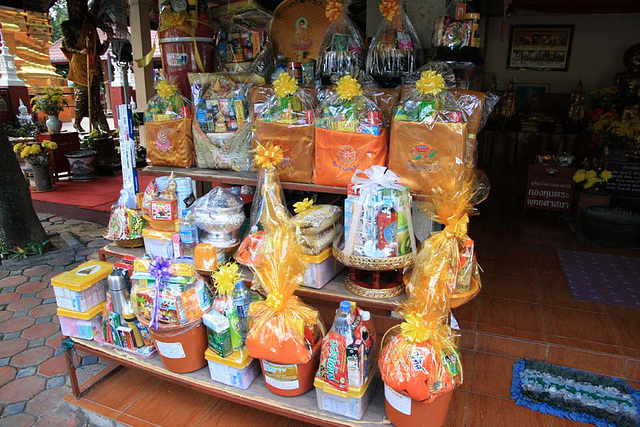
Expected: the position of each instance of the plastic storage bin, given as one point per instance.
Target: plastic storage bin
(322, 268)
(237, 370)
(165, 244)
(83, 287)
(86, 324)
(352, 403)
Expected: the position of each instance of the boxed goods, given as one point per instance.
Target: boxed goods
(286, 120)
(222, 125)
(350, 134)
(83, 287)
(343, 381)
(342, 49)
(237, 370)
(168, 128)
(395, 51)
(165, 244)
(82, 324)
(316, 226)
(321, 269)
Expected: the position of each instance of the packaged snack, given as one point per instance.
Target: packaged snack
(283, 329)
(342, 49)
(428, 134)
(395, 50)
(268, 205)
(168, 128)
(222, 125)
(316, 226)
(350, 134)
(377, 216)
(286, 120)
(419, 358)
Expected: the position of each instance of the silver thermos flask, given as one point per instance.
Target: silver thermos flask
(118, 281)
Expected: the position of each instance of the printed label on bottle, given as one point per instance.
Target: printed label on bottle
(284, 377)
(187, 235)
(398, 401)
(170, 350)
(177, 59)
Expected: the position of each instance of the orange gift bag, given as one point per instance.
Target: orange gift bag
(168, 128)
(350, 134)
(286, 120)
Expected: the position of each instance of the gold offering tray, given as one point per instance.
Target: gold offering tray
(372, 264)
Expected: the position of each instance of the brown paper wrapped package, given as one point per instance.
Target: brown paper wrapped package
(170, 143)
(431, 151)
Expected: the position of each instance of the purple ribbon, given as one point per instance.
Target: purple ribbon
(160, 269)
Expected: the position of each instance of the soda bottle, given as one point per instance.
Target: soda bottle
(188, 232)
(241, 300)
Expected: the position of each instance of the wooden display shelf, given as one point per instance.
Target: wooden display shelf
(234, 178)
(303, 408)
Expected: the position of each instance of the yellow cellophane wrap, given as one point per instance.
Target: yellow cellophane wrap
(421, 153)
(276, 330)
(419, 357)
(297, 144)
(170, 143)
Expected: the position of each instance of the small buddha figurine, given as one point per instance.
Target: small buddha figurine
(628, 82)
(576, 109)
(24, 118)
(509, 102)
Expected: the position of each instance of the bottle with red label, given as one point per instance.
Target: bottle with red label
(387, 224)
(333, 358)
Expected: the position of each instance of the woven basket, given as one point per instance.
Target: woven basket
(138, 242)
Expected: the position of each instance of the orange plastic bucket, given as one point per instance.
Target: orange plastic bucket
(291, 380)
(403, 411)
(181, 348)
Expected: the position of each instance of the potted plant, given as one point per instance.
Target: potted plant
(39, 157)
(82, 164)
(51, 103)
(593, 188)
(103, 144)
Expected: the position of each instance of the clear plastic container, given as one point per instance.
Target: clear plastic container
(352, 403)
(165, 244)
(86, 325)
(322, 268)
(237, 370)
(83, 287)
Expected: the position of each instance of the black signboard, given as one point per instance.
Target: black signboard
(626, 179)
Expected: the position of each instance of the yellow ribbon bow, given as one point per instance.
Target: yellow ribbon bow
(456, 227)
(389, 9)
(333, 10)
(275, 301)
(348, 87)
(285, 85)
(226, 277)
(305, 204)
(414, 328)
(430, 83)
(268, 156)
(165, 89)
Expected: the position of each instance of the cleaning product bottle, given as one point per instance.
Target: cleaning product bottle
(188, 232)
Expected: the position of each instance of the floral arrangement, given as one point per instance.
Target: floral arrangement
(591, 180)
(36, 154)
(51, 103)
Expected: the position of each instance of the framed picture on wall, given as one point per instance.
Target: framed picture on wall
(540, 47)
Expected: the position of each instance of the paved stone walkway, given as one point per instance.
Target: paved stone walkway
(33, 377)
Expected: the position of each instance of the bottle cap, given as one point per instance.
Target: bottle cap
(239, 284)
(366, 316)
(185, 212)
(345, 306)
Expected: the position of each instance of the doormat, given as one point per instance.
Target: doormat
(602, 278)
(574, 394)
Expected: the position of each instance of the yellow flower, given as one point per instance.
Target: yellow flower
(18, 147)
(606, 175)
(333, 9)
(414, 328)
(226, 277)
(430, 83)
(166, 89)
(285, 85)
(591, 175)
(25, 152)
(348, 87)
(389, 9)
(49, 145)
(302, 206)
(579, 176)
(269, 156)
(590, 183)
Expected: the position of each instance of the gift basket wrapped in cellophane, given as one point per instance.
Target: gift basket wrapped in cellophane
(342, 50)
(168, 128)
(125, 225)
(242, 37)
(475, 106)
(222, 125)
(419, 360)
(350, 134)
(428, 135)
(286, 120)
(395, 49)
